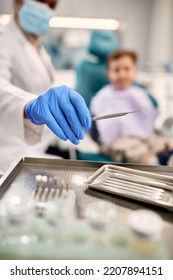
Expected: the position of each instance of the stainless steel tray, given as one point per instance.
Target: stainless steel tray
(20, 179)
(143, 186)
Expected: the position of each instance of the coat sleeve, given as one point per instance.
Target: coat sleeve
(13, 100)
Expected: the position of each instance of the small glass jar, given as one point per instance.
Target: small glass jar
(59, 220)
(145, 235)
(101, 217)
(19, 219)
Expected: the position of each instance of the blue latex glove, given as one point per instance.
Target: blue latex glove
(63, 110)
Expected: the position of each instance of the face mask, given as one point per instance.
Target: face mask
(34, 17)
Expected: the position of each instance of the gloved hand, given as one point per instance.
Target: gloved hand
(63, 110)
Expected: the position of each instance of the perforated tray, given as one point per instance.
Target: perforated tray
(20, 178)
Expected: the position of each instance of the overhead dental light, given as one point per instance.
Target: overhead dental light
(84, 23)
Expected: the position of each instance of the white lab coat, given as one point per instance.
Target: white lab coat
(24, 74)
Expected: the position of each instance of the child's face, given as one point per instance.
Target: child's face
(122, 72)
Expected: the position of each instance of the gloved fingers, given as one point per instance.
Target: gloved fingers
(73, 106)
(65, 126)
(64, 106)
(73, 120)
(81, 108)
(53, 125)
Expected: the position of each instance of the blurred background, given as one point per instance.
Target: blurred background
(144, 26)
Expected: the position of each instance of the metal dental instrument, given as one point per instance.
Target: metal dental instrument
(114, 115)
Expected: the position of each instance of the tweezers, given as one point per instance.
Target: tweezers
(114, 115)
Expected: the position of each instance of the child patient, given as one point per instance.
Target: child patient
(122, 95)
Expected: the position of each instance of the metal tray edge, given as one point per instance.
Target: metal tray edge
(153, 202)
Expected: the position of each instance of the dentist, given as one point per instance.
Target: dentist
(27, 100)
